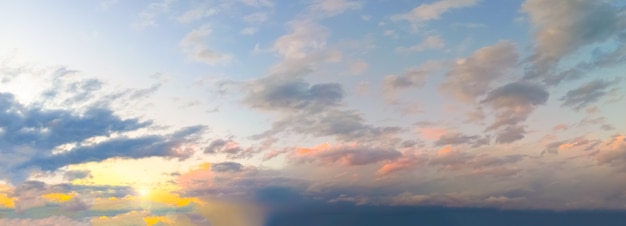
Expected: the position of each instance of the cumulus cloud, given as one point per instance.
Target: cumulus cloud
(513, 103)
(472, 77)
(292, 95)
(563, 27)
(411, 77)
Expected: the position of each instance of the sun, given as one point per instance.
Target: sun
(143, 192)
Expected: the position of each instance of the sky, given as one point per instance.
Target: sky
(331, 112)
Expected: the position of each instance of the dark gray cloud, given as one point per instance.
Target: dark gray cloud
(226, 167)
(230, 148)
(309, 109)
(517, 94)
(512, 104)
(412, 77)
(510, 134)
(170, 145)
(461, 139)
(587, 93)
(280, 93)
(344, 124)
(77, 174)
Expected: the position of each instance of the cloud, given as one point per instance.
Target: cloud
(472, 77)
(461, 139)
(248, 182)
(258, 3)
(258, 17)
(410, 78)
(562, 27)
(454, 159)
(430, 43)
(48, 221)
(293, 94)
(230, 148)
(148, 16)
(305, 108)
(613, 152)
(432, 11)
(407, 162)
(587, 93)
(510, 134)
(77, 174)
(226, 166)
(334, 7)
(358, 67)
(194, 46)
(304, 38)
(52, 138)
(513, 103)
(574, 143)
(171, 145)
(197, 13)
(347, 155)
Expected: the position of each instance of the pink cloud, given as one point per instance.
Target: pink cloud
(401, 164)
(433, 133)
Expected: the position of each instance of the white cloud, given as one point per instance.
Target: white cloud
(196, 14)
(430, 43)
(432, 11)
(148, 17)
(194, 45)
(258, 17)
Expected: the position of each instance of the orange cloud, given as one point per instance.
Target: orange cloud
(318, 148)
(401, 164)
(58, 197)
(152, 220)
(6, 201)
(445, 150)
